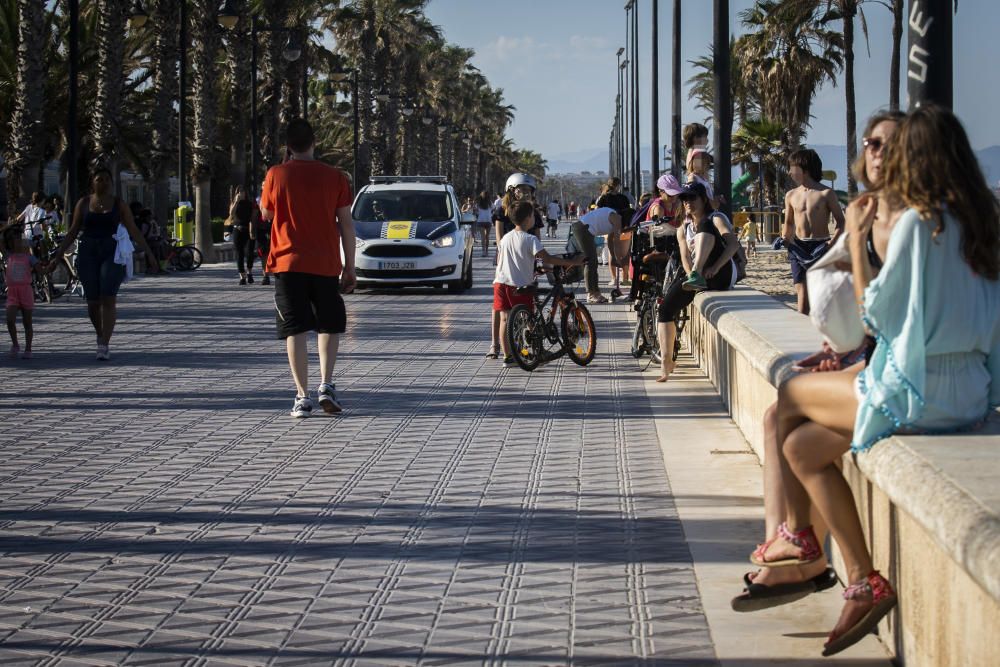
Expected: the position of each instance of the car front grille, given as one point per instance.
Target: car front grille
(396, 250)
(407, 273)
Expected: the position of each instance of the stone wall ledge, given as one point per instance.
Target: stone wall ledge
(930, 505)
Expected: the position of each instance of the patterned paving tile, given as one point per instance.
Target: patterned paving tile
(163, 509)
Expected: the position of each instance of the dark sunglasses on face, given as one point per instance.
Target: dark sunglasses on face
(873, 144)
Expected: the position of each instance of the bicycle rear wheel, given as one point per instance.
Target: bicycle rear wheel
(524, 333)
(62, 275)
(579, 334)
(195, 257)
(184, 258)
(650, 333)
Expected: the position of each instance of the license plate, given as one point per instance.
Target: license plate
(396, 265)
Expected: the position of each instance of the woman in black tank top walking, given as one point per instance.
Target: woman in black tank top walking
(96, 219)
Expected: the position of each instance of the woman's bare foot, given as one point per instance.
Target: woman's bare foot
(665, 370)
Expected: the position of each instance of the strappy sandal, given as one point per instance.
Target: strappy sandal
(756, 597)
(876, 588)
(493, 354)
(805, 540)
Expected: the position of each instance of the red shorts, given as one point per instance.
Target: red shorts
(505, 297)
(20, 296)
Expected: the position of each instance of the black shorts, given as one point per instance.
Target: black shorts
(307, 302)
(676, 298)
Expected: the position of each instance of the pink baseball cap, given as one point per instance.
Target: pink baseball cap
(669, 184)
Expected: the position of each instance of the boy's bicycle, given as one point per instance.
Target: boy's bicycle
(653, 277)
(534, 336)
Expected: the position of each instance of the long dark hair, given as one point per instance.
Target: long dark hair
(930, 166)
(483, 200)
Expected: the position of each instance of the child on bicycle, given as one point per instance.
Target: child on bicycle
(20, 296)
(516, 256)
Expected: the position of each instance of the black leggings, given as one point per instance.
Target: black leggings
(677, 298)
(244, 246)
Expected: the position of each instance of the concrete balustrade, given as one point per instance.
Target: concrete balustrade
(930, 505)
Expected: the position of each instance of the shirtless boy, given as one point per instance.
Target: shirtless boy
(807, 218)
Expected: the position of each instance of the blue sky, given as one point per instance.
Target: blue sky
(555, 60)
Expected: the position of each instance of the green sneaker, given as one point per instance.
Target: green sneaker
(695, 282)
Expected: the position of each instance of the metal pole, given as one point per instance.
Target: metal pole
(655, 92)
(254, 148)
(723, 120)
(627, 87)
(72, 135)
(354, 99)
(929, 67)
(182, 114)
(637, 171)
(675, 119)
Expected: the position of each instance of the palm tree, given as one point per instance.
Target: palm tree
(789, 52)
(23, 157)
(205, 43)
(107, 107)
(166, 53)
(759, 141)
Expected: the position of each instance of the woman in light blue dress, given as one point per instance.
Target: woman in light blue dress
(936, 364)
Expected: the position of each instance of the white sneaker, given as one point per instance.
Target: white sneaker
(328, 399)
(302, 407)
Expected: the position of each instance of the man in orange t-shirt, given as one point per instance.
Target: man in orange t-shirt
(309, 205)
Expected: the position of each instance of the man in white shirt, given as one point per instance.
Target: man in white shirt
(33, 217)
(552, 214)
(602, 221)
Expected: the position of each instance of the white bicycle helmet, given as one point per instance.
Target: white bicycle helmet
(521, 179)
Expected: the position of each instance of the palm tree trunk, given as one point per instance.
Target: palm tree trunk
(897, 40)
(205, 45)
(238, 64)
(852, 122)
(24, 155)
(110, 79)
(165, 15)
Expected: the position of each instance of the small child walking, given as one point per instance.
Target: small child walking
(516, 267)
(749, 234)
(20, 297)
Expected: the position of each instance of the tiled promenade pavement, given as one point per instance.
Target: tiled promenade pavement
(163, 508)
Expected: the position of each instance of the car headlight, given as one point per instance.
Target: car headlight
(446, 241)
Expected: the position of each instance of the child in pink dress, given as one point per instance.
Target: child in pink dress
(20, 297)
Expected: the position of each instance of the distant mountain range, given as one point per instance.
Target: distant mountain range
(834, 158)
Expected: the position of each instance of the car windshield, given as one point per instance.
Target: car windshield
(380, 206)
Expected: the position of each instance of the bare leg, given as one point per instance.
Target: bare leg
(29, 330)
(109, 316)
(495, 332)
(667, 333)
(298, 361)
(504, 343)
(329, 345)
(94, 312)
(703, 244)
(802, 297)
(12, 324)
(484, 234)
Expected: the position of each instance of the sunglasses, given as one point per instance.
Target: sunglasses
(874, 144)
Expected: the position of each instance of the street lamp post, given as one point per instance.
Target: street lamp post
(72, 135)
(723, 120)
(340, 76)
(675, 120)
(929, 63)
(618, 130)
(636, 146)
(655, 73)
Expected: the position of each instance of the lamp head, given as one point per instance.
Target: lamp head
(292, 50)
(228, 17)
(138, 16)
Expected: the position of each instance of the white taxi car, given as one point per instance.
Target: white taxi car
(411, 232)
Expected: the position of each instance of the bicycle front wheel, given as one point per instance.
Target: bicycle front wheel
(579, 334)
(524, 333)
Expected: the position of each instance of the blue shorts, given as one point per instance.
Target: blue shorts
(95, 264)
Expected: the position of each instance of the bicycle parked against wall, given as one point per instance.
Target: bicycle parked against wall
(182, 257)
(660, 237)
(536, 338)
